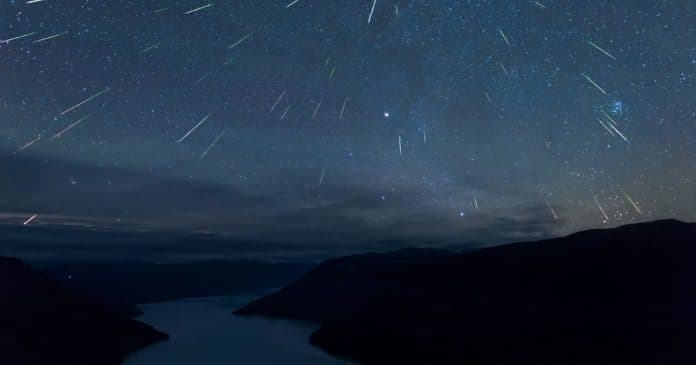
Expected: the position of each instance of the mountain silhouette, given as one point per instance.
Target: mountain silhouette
(42, 322)
(614, 296)
(143, 282)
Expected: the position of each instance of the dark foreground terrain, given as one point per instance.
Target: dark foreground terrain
(135, 283)
(41, 322)
(616, 296)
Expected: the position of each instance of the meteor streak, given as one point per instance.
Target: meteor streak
(201, 79)
(555, 217)
(635, 206)
(504, 69)
(606, 127)
(50, 37)
(71, 126)
(593, 83)
(619, 133)
(610, 118)
(369, 19)
(316, 110)
(28, 144)
(83, 102)
(240, 41)
(343, 109)
(150, 48)
(277, 101)
(194, 128)
(600, 49)
(198, 9)
(606, 218)
(291, 4)
(30, 219)
(212, 144)
(18, 37)
(502, 34)
(285, 113)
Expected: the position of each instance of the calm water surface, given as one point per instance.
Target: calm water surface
(205, 332)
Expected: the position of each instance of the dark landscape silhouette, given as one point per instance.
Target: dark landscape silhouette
(135, 283)
(616, 296)
(41, 322)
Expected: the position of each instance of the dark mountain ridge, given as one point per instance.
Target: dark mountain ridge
(43, 323)
(612, 296)
(135, 283)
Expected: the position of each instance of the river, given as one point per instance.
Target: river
(204, 331)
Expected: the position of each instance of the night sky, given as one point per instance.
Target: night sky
(425, 122)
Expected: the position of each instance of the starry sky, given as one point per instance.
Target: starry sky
(417, 122)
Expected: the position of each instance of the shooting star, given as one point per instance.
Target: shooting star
(400, 150)
(150, 48)
(425, 139)
(83, 102)
(316, 110)
(610, 118)
(17, 37)
(277, 101)
(291, 4)
(194, 128)
(240, 41)
(505, 38)
(198, 9)
(71, 126)
(594, 83)
(476, 202)
(321, 179)
(160, 10)
(600, 49)
(396, 9)
(635, 206)
(487, 97)
(555, 217)
(26, 222)
(212, 144)
(285, 113)
(619, 133)
(539, 4)
(606, 127)
(50, 37)
(343, 109)
(504, 69)
(369, 19)
(333, 71)
(28, 144)
(202, 78)
(606, 218)
(230, 60)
